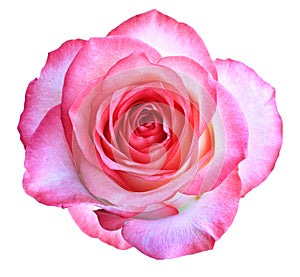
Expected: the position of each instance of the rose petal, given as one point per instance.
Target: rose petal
(51, 177)
(137, 69)
(85, 217)
(201, 87)
(44, 93)
(109, 221)
(257, 101)
(194, 230)
(92, 62)
(109, 191)
(168, 36)
(230, 135)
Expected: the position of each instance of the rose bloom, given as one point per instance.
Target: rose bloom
(147, 141)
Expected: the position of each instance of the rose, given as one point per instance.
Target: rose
(146, 140)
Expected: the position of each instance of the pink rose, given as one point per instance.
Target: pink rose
(146, 140)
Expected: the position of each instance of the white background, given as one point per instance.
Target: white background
(36, 240)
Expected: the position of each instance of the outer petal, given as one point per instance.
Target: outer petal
(257, 100)
(168, 36)
(44, 93)
(87, 220)
(191, 231)
(51, 177)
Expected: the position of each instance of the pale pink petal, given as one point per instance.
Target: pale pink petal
(51, 177)
(169, 37)
(109, 191)
(230, 136)
(194, 230)
(93, 61)
(85, 217)
(157, 211)
(201, 87)
(82, 115)
(257, 101)
(44, 93)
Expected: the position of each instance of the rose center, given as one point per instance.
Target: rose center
(147, 130)
(146, 122)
